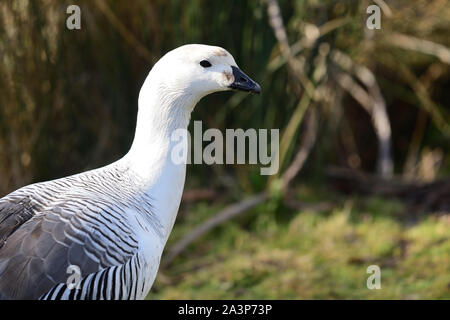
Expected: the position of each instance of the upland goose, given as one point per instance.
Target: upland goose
(109, 226)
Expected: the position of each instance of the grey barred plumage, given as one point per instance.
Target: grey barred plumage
(79, 220)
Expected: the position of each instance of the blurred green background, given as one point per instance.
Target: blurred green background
(364, 123)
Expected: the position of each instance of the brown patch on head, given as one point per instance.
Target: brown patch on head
(229, 76)
(220, 53)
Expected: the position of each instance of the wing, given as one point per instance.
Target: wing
(47, 227)
(13, 213)
(120, 282)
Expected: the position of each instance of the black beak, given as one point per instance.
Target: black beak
(243, 82)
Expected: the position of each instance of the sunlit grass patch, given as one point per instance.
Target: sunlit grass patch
(313, 255)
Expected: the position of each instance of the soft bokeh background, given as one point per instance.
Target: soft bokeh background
(365, 136)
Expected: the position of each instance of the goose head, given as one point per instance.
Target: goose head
(198, 70)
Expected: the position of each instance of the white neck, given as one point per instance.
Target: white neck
(161, 112)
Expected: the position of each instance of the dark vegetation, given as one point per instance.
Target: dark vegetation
(364, 124)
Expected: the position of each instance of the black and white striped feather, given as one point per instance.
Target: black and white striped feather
(87, 220)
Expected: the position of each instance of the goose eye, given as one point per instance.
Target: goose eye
(205, 64)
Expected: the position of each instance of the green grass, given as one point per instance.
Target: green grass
(312, 255)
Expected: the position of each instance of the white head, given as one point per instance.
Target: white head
(176, 83)
(198, 70)
(171, 90)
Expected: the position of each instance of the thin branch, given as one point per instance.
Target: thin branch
(383, 5)
(307, 143)
(276, 21)
(420, 45)
(294, 67)
(221, 217)
(409, 168)
(373, 102)
(354, 89)
(440, 119)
